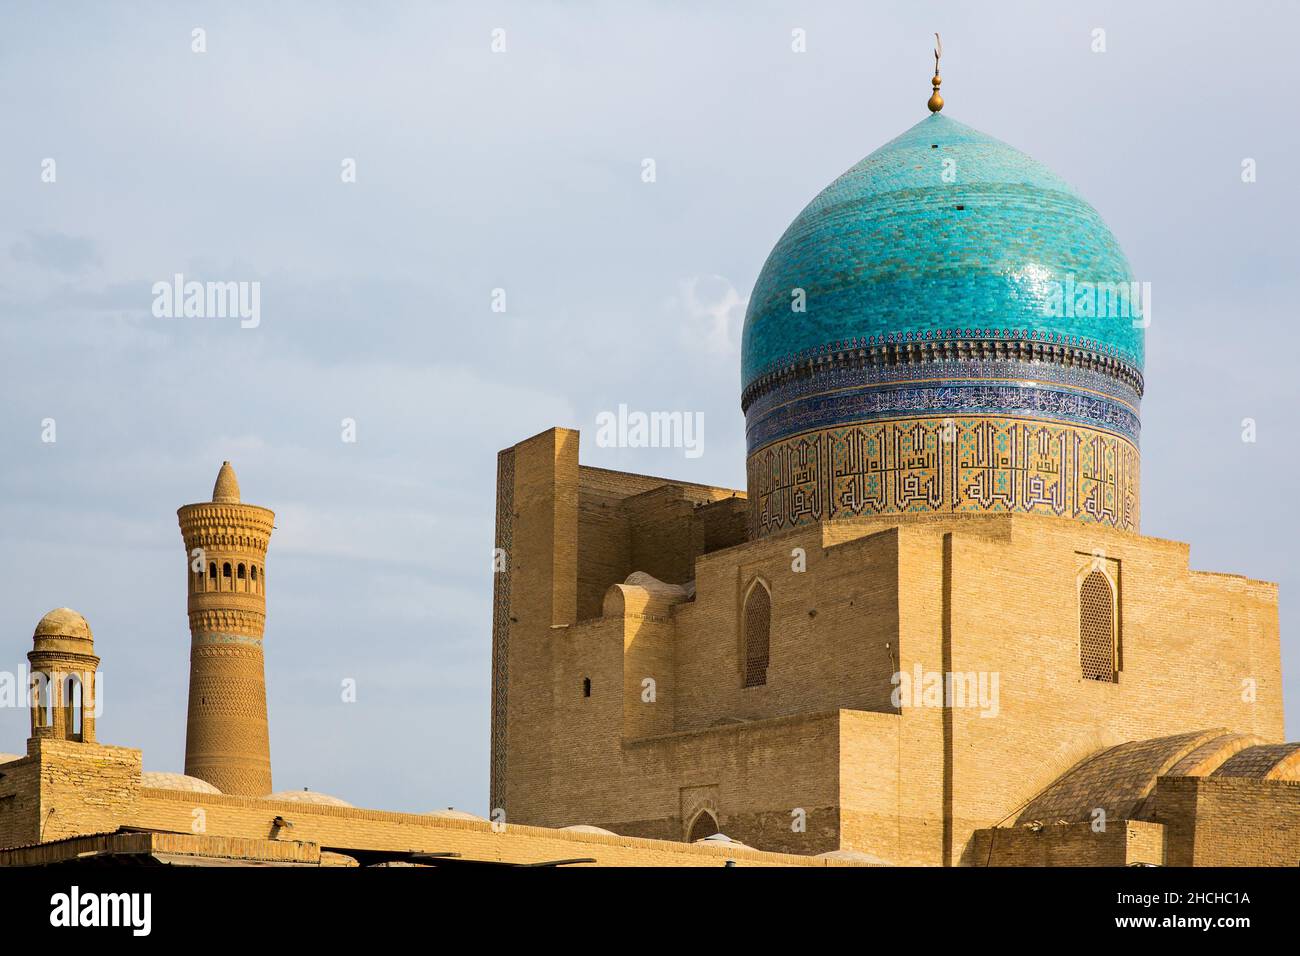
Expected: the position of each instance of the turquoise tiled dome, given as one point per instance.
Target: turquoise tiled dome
(891, 252)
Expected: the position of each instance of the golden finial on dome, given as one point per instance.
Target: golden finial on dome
(936, 101)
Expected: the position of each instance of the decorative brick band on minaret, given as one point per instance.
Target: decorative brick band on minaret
(226, 739)
(501, 626)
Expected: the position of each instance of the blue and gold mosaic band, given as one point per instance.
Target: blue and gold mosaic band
(950, 464)
(847, 391)
(930, 336)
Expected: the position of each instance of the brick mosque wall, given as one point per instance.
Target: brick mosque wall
(65, 788)
(995, 595)
(632, 523)
(1230, 821)
(1070, 844)
(20, 802)
(344, 828)
(1188, 642)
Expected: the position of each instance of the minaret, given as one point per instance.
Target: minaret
(226, 740)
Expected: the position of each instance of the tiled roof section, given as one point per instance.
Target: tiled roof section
(1210, 755)
(1118, 780)
(1265, 762)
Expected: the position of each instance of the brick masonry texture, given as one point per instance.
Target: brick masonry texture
(911, 784)
(823, 757)
(942, 448)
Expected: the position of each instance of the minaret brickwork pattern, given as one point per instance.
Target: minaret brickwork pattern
(226, 740)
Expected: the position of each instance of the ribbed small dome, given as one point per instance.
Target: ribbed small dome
(308, 796)
(226, 490)
(161, 780)
(63, 622)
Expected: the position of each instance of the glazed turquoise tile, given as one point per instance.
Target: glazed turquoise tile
(890, 252)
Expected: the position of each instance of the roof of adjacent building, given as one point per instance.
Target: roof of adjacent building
(1122, 779)
(1263, 762)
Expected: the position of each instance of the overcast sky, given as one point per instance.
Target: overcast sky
(522, 171)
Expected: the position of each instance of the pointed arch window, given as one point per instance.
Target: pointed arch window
(72, 707)
(1097, 628)
(757, 621)
(42, 699)
(704, 825)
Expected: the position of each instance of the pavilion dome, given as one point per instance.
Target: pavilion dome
(891, 252)
(63, 622)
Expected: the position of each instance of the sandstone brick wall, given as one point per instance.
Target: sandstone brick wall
(542, 565)
(1230, 821)
(574, 533)
(85, 789)
(1069, 844)
(612, 769)
(172, 845)
(1188, 642)
(725, 522)
(877, 815)
(852, 603)
(20, 802)
(341, 829)
(604, 537)
(753, 776)
(649, 672)
(632, 523)
(830, 624)
(65, 788)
